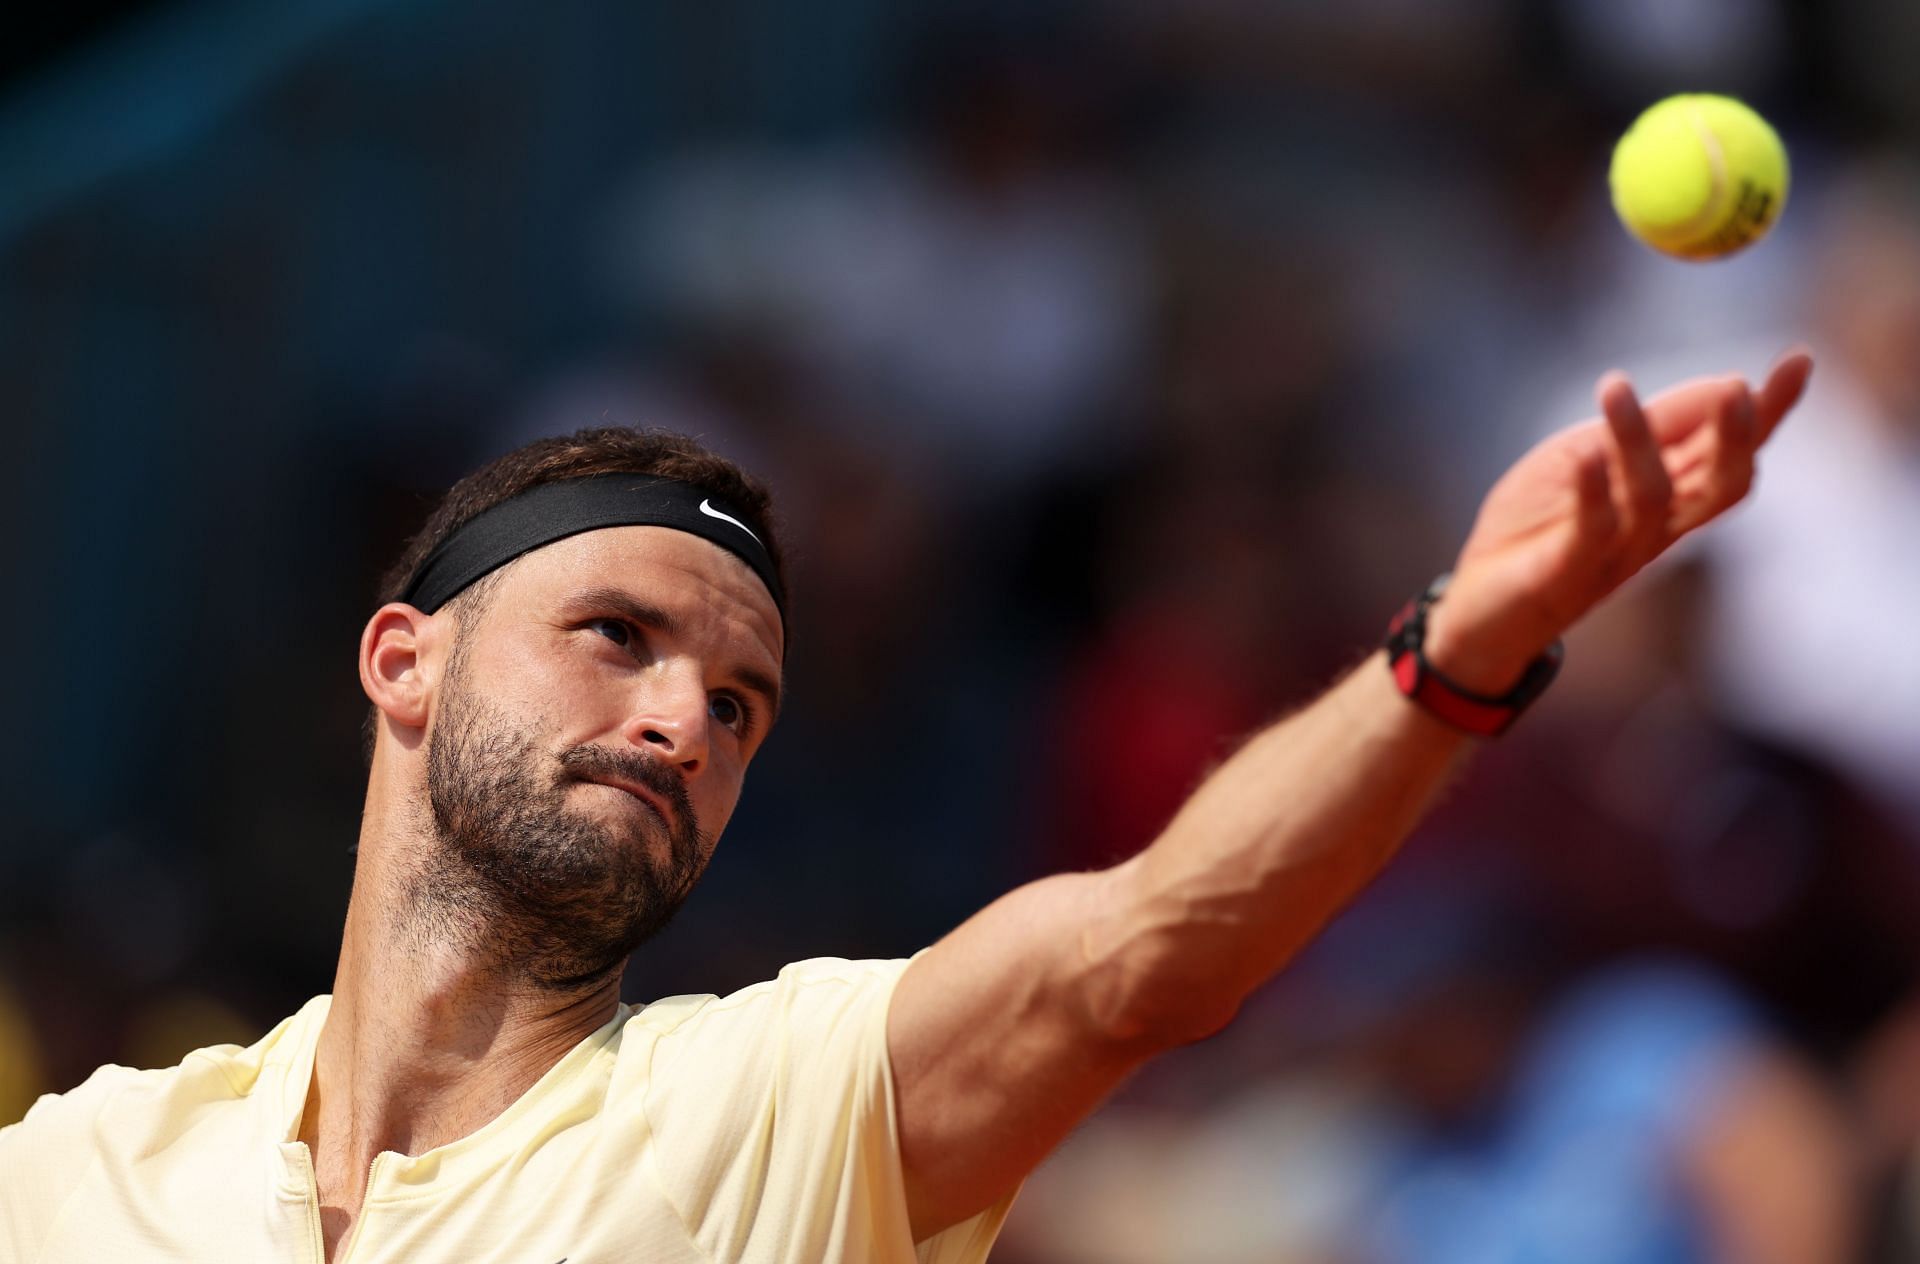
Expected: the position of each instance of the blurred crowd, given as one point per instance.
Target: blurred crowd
(1118, 371)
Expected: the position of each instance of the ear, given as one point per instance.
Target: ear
(394, 663)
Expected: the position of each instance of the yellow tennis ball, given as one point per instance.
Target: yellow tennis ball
(1699, 176)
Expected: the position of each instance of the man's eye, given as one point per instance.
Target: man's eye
(614, 630)
(729, 712)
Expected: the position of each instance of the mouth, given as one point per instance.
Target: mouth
(649, 798)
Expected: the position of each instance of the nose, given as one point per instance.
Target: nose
(670, 719)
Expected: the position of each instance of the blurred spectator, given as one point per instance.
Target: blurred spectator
(1278, 1173)
(1189, 662)
(1817, 588)
(1637, 818)
(1650, 1120)
(1646, 1117)
(978, 295)
(1887, 1105)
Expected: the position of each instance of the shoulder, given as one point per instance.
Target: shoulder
(112, 1091)
(115, 1096)
(118, 1118)
(797, 989)
(46, 1156)
(821, 1019)
(80, 1105)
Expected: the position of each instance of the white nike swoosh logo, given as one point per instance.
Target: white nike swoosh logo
(706, 507)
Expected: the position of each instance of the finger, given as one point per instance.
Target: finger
(1726, 475)
(1587, 467)
(1593, 487)
(1644, 490)
(1681, 411)
(1786, 383)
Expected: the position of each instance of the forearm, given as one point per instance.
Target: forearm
(1270, 847)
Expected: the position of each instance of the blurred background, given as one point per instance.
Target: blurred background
(1119, 370)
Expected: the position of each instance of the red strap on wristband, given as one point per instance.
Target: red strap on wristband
(1463, 709)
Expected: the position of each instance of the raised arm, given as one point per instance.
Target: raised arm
(1013, 1028)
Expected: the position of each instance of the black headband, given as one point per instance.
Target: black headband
(553, 511)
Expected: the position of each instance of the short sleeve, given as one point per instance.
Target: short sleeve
(774, 1131)
(44, 1158)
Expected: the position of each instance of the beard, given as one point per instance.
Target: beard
(546, 892)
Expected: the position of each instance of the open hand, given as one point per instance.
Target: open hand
(1588, 507)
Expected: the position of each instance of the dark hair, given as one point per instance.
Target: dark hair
(606, 450)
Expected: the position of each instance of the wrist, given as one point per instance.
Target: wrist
(1491, 690)
(1471, 661)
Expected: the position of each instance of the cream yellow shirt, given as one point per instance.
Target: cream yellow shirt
(754, 1127)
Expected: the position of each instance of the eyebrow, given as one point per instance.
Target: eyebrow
(648, 615)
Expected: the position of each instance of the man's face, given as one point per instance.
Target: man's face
(589, 739)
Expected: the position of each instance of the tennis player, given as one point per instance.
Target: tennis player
(581, 656)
